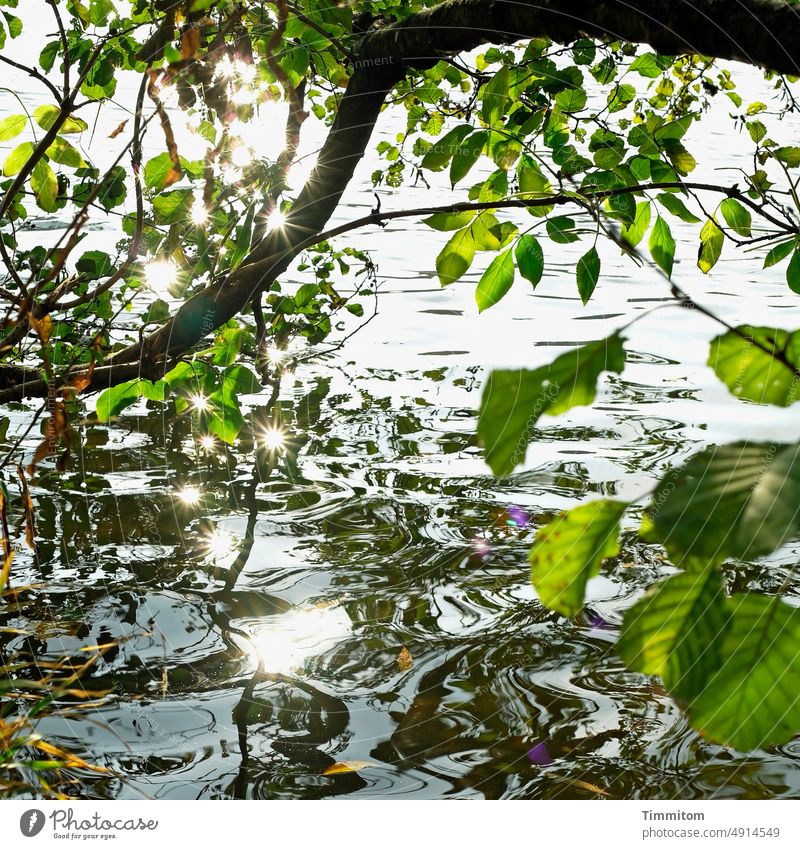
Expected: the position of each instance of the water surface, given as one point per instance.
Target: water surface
(391, 534)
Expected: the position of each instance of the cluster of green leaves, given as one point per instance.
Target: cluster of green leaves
(537, 115)
(209, 386)
(199, 217)
(732, 661)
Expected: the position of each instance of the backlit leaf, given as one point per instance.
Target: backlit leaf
(588, 273)
(496, 281)
(513, 400)
(456, 256)
(736, 216)
(711, 241)
(662, 246)
(46, 115)
(676, 630)
(740, 500)
(753, 699)
(750, 372)
(530, 259)
(12, 126)
(569, 550)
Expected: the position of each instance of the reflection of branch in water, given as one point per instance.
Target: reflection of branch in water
(336, 714)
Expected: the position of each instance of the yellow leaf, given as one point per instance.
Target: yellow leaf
(342, 767)
(43, 327)
(405, 659)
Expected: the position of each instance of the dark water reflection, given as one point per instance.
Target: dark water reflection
(257, 633)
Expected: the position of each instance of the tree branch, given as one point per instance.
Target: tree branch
(758, 32)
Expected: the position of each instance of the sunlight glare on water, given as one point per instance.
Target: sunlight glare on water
(284, 646)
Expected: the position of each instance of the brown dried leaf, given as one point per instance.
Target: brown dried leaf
(405, 660)
(190, 43)
(56, 432)
(118, 129)
(80, 381)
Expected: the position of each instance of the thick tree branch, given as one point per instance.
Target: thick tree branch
(759, 32)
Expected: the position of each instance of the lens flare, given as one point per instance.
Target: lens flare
(276, 218)
(274, 355)
(241, 156)
(219, 544)
(273, 438)
(189, 495)
(208, 443)
(199, 402)
(199, 214)
(160, 274)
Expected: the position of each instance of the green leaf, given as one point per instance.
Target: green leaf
(711, 240)
(153, 390)
(444, 221)
(646, 65)
(571, 100)
(225, 419)
(46, 115)
(45, 186)
(677, 207)
(243, 381)
(588, 273)
(533, 185)
(466, 155)
(793, 272)
(47, 57)
(750, 372)
(12, 126)
(790, 156)
(779, 252)
(682, 161)
(753, 699)
(514, 400)
(170, 207)
(114, 400)
(95, 264)
(485, 232)
(157, 171)
(456, 256)
(530, 259)
(569, 550)
(15, 161)
(495, 99)
(64, 153)
(635, 233)
(99, 11)
(738, 500)
(441, 151)
(561, 229)
(14, 24)
(736, 216)
(662, 246)
(496, 281)
(676, 630)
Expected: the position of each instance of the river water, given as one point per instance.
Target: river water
(391, 534)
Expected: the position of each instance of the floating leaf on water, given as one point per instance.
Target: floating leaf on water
(342, 767)
(405, 659)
